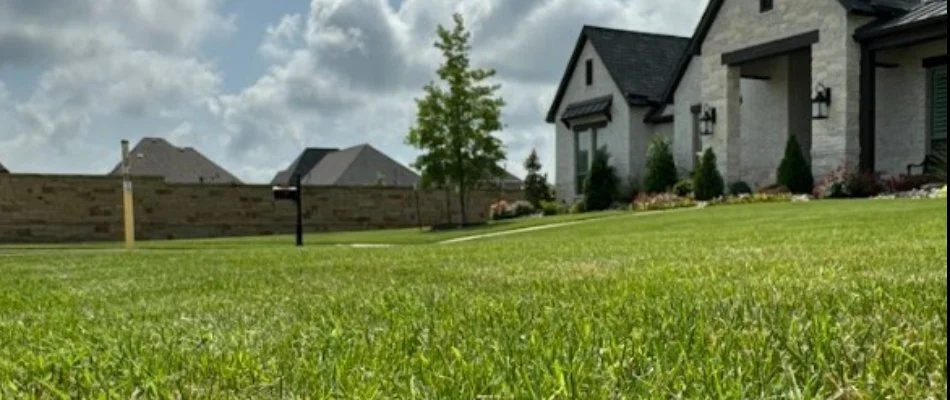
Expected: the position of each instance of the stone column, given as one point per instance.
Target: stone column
(731, 123)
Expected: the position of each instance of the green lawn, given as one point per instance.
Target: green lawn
(388, 236)
(832, 299)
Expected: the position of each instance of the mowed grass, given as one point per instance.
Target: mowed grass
(829, 299)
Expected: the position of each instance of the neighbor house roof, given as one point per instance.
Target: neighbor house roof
(359, 166)
(881, 8)
(929, 12)
(638, 62)
(4, 170)
(302, 165)
(158, 157)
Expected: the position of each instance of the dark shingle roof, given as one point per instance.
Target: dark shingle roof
(3, 170)
(597, 105)
(640, 63)
(924, 13)
(158, 157)
(359, 166)
(878, 7)
(302, 164)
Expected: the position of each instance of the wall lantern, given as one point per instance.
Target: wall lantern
(707, 121)
(821, 102)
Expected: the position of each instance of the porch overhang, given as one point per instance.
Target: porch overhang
(771, 49)
(929, 23)
(598, 106)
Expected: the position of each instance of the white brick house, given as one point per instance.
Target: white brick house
(757, 66)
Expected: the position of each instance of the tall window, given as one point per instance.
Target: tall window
(938, 108)
(765, 5)
(584, 144)
(589, 71)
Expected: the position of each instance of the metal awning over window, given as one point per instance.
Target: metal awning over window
(587, 108)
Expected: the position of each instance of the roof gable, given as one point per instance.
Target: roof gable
(302, 165)
(360, 165)
(638, 62)
(3, 170)
(158, 157)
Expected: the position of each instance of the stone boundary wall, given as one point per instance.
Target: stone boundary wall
(74, 208)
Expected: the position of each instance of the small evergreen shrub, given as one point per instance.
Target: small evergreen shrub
(536, 187)
(707, 181)
(683, 188)
(602, 182)
(661, 169)
(794, 171)
(739, 187)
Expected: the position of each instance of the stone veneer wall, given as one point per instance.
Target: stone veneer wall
(65, 208)
(835, 63)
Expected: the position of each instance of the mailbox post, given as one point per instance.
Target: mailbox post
(293, 193)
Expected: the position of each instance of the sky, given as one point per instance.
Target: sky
(250, 83)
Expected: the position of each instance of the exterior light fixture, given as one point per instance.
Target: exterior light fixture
(707, 120)
(821, 102)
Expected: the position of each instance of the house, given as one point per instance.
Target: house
(361, 165)
(4, 170)
(158, 157)
(860, 83)
(302, 165)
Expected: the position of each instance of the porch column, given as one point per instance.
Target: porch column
(867, 109)
(720, 90)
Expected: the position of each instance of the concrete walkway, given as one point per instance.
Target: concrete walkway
(557, 225)
(528, 229)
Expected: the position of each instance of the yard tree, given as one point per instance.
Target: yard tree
(536, 187)
(456, 118)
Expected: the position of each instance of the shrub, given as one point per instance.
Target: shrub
(661, 201)
(601, 185)
(499, 210)
(906, 183)
(661, 169)
(578, 207)
(739, 187)
(549, 208)
(794, 171)
(832, 185)
(521, 208)
(707, 181)
(864, 184)
(628, 190)
(683, 188)
(774, 189)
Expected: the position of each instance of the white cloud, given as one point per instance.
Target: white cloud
(343, 72)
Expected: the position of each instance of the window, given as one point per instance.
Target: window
(584, 144)
(765, 5)
(938, 108)
(590, 72)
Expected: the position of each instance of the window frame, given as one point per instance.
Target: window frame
(580, 178)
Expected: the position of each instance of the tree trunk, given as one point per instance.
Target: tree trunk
(448, 205)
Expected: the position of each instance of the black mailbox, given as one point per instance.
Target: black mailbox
(286, 193)
(293, 193)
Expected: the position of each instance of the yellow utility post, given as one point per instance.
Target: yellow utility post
(127, 205)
